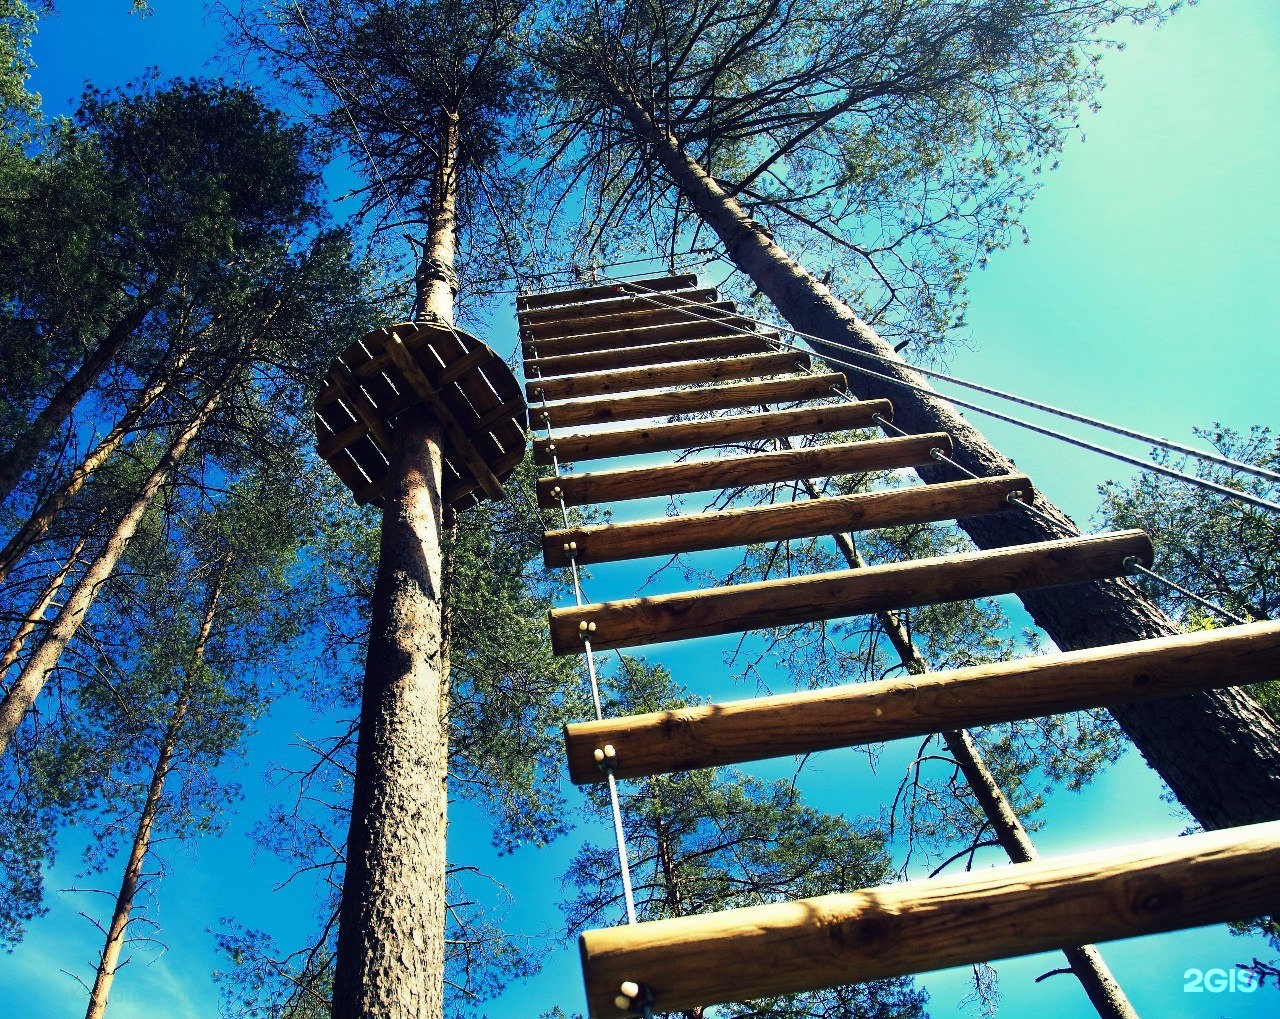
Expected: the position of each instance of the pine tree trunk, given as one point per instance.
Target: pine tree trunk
(43, 516)
(391, 953)
(19, 699)
(18, 460)
(1219, 752)
(41, 606)
(109, 961)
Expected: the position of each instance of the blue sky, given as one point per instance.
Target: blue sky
(1148, 296)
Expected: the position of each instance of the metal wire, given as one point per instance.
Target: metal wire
(1169, 472)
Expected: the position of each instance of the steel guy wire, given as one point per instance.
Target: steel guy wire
(1154, 468)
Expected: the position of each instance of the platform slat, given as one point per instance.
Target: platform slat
(684, 373)
(601, 332)
(604, 409)
(800, 519)
(739, 471)
(712, 735)
(580, 295)
(670, 617)
(894, 930)
(722, 431)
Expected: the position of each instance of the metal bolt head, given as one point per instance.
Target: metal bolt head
(630, 988)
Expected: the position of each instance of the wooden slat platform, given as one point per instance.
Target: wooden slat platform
(670, 617)
(800, 519)
(893, 930)
(580, 295)
(740, 471)
(684, 373)
(630, 329)
(605, 409)
(712, 735)
(721, 431)
(656, 351)
(468, 388)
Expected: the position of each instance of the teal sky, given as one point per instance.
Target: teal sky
(1148, 296)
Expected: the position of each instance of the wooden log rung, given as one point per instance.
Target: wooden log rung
(601, 332)
(603, 409)
(771, 603)
(685, 373)
(721, 431)
(614, 305)
(803, 518)
(655, 352)
(739, 471)
(713, 735)
(917, 926)
(580, 295)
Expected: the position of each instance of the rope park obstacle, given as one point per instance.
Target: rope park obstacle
(612, 353)
(634, 354)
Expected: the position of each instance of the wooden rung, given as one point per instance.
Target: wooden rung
(603, 409)
(737, 471)
(712, 735)
(722, 431)
(616, 304)
(917, 926)
(600, 332)
(769, 603)
(653, 353)
(685, 373)
(801, 519)
(581, 295)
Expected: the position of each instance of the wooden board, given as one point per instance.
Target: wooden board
(608, 332)
(800, 519)
(653, 353)
(740, 471)
(670, 617)
(712, 735)
(721, 431)
(684, 373)
(615, 305)
(469, 389)
(600, 410)
(894, 930)
(580, 295)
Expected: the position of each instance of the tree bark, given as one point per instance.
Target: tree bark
(41, 606)
(1219, 752)
(43, 516)
(18, 460)
(391, 921)
(19, 699)
(109, 961)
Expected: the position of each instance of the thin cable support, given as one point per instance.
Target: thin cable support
(615, 805)
(1052, 433)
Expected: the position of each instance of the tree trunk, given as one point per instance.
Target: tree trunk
(391, 952)
(109, 961)
(36, 615)
(15, 463)
(19, 699)
(40, 520)
(1219, 752)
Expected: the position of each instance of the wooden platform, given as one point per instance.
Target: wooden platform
(467, 387)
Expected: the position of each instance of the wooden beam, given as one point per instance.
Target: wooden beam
(769, 603)
(579, 295)
(712, 735)
(894, 930)
(601, 331)
(685, 373)
(616, 304)
(736, 471)
(354, 397)
(652, 353)
(803, 518)
(604, 409)
(721, 431)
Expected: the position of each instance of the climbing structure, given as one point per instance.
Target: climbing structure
(635, 353)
